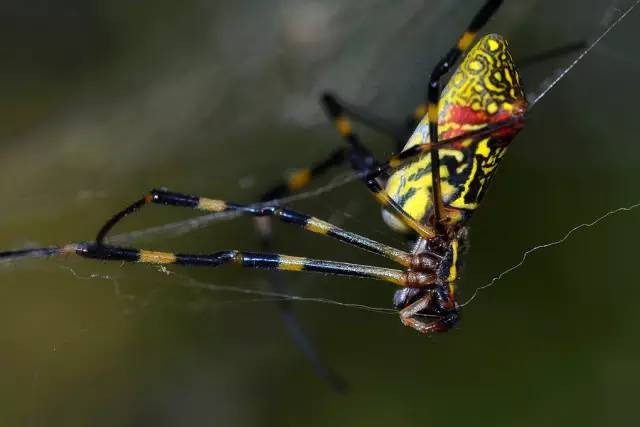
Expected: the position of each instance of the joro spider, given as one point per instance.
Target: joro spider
(436, 182)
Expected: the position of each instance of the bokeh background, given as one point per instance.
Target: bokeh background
(102, 101)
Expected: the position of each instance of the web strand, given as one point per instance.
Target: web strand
(269, 296)
(549, 245)
(582, 55)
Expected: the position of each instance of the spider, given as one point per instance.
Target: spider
(429, 190)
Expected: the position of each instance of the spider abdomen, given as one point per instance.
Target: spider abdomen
(485, 89)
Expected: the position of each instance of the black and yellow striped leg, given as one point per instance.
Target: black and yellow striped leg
(433, 97)
(255, 260)
(297, 181)
(358, 155)
(361, 158)
(307, 222)
(337, 109)
(302, 177)
(399, 133)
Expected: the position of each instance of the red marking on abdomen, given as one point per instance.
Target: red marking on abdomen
(462, 115)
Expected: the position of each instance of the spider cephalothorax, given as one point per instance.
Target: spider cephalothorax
(442, 258)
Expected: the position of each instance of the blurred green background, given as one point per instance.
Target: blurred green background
(102, 101)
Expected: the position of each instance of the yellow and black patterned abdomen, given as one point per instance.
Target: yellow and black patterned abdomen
(484, 89)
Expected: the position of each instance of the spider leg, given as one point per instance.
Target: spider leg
(360, 157)
(254, 260)
(307, 222)
(409, 316)
(338, 110)
(265, 261)
(302, 177)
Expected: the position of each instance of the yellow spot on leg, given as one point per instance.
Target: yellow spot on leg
(299, 179)
(69, 249)
(152, 257)
(316, 225)
(394, 162)
(466, 40)
(211, 205)
(291, 263)
(433, 112)
(343, 125)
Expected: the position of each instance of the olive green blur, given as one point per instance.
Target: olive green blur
(102, 101)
